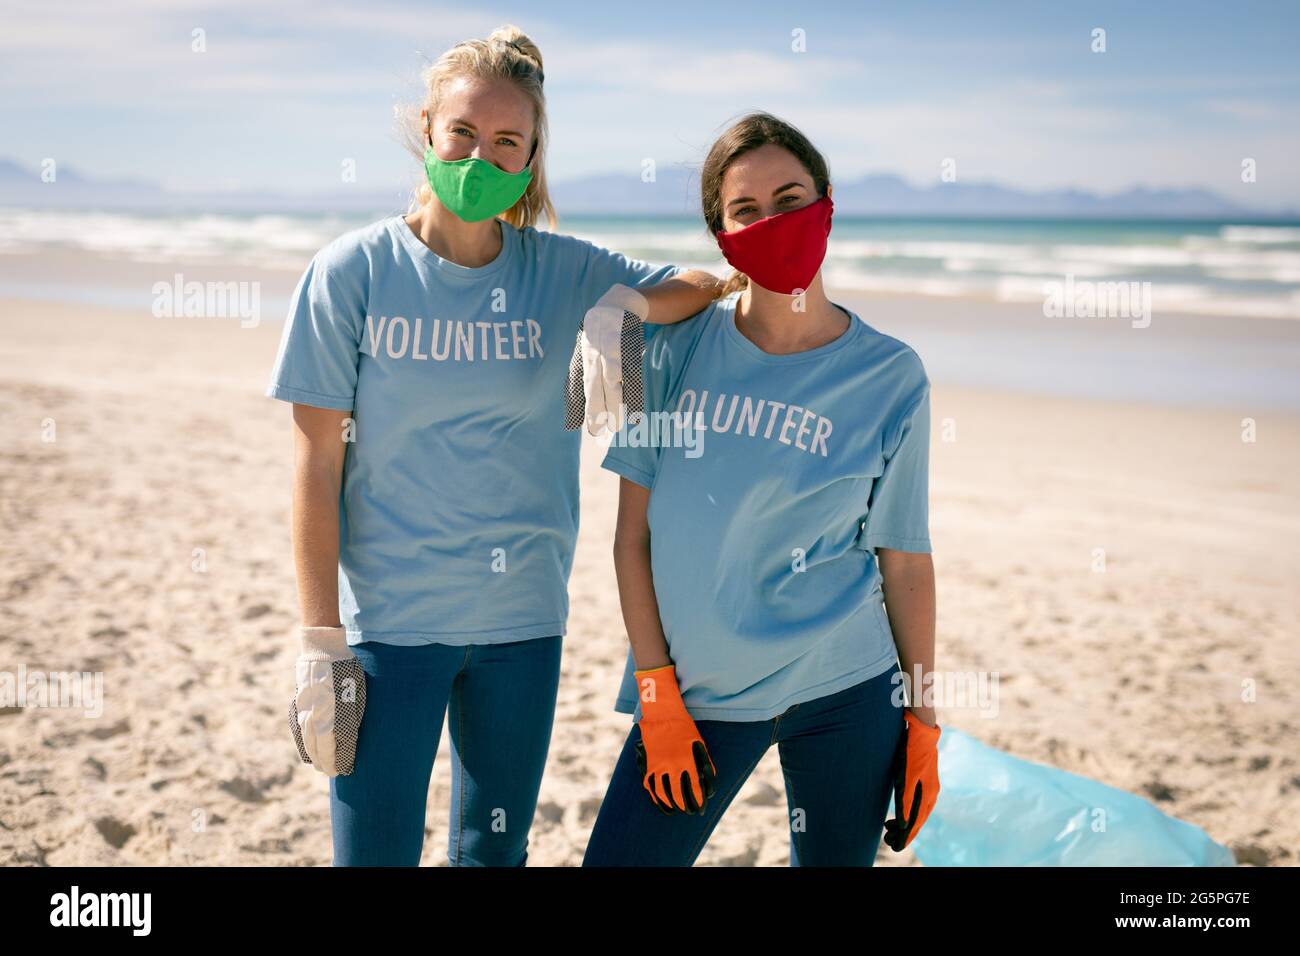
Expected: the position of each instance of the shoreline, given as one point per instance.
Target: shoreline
(174, 328)
(1251, 365)
(106, 273)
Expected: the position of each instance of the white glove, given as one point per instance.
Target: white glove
(325, 714)
(607, 361)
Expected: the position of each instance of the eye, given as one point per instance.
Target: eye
(791, 196)
(461, 129)
(743, 211)
(507, 141)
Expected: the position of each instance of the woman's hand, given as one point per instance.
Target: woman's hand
(676, 769)
(611, 330)
(329, 701)
(916, 780)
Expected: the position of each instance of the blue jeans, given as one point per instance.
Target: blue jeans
(501, 702)
(835, 753)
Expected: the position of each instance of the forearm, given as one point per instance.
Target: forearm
(681, 296)
(636, 594)
(316, 546)
(909, 591)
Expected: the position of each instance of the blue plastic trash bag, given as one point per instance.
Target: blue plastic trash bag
(997, 810)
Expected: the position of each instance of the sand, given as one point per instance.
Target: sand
(150, 541)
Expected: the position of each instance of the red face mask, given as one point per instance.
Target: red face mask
(781, 253)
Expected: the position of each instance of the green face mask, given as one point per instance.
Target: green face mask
(473, 188)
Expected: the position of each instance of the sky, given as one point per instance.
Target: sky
(1012, 92)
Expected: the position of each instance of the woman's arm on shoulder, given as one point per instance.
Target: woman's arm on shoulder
(680, 297)
(672, 293)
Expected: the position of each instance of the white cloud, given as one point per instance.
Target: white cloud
(699, 71)
(615, 101)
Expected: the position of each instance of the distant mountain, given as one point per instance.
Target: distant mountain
(20, 186)
(71, 190)
(674, 192)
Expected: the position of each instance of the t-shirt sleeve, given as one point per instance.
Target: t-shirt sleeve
(637, 447)
(605, 268)
(632, 452)
(898, 512)
(320, 345)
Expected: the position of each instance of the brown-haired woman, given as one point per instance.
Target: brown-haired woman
(756, 550)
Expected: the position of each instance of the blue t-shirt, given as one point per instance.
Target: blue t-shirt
(458, 511)
(763, 534)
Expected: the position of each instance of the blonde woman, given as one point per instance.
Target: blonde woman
(435, 503)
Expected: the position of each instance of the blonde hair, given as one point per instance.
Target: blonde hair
(507, 54)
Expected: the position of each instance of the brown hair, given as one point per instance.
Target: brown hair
(746, 134)
(507, 54)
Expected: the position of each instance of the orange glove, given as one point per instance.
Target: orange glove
(676, 769)
(916, 781)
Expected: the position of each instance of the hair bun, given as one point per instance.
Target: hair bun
(541, 77)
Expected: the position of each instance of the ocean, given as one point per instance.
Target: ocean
(971, 296)
(1232, 268)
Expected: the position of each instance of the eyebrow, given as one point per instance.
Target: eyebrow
(775, 192)
(501, 132)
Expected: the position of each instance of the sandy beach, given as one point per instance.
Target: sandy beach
(145, 492)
